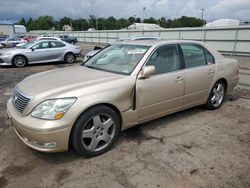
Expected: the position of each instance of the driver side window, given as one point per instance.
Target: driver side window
(41, 45)
(165, 59)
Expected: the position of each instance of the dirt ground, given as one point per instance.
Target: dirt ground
(192, 148)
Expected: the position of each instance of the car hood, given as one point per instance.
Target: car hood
(12, 50)
(59, 82)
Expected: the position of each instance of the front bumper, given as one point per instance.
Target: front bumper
(5, 61)
(44, 140)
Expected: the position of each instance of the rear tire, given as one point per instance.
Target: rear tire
(69, 58)
(216, 96)
(19, 61)
(95, 131)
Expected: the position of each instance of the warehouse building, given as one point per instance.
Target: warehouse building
(7, 28)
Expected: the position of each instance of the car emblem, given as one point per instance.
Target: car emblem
(15, 99)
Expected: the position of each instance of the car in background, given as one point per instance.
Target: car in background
(11, 42)
(3, 37)
(97, 49)
(43, 51)
(29, 38)
(48, 38)
(87, 106)
(69, 39)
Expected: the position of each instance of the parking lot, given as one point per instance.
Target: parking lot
(192, 148)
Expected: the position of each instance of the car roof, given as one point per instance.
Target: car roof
(156, 42)
(50, 40)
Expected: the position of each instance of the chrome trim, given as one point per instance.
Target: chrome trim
(20, 100)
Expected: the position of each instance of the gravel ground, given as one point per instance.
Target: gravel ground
(192, 148)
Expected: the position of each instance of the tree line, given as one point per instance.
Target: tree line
(110, 23)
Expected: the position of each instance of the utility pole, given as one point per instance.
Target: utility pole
(143, 13)
(96, 23)
(202, 13)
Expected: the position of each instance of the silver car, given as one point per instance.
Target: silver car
(11, 42)
(39, 52)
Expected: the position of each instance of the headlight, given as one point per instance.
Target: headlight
(53, 109)
(8, 53)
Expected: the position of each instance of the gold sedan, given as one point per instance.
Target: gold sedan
(123, 85)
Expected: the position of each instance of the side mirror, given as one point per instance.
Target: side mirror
(146, 72)
(32, 49)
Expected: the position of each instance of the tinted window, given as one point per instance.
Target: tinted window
(209, 57)
(193, 55)
(165, 59)
(41, 45)
(56, 44)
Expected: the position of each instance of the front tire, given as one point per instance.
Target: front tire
(19, 61)
(95, 131)
(216, 96)
(69, 58)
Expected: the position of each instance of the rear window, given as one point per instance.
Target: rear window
(56, 44)
(193, 55)
(209, 57)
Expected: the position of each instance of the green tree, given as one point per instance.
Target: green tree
(122, 23)
(30, 25)
(150, 20)
(22, 22)
(65, 21)
(131, 20)
(44, 22)
(138, 20)
(101, 23)
(111, 23)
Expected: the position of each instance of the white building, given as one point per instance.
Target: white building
(20, 29)
(223, 23)
(7, 28)
(67, 28)
(143, 26)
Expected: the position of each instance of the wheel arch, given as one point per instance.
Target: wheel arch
(111, 106)
(224, 82)
(69, 52)
(19, 55)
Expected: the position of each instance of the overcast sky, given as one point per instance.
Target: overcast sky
(214, 9)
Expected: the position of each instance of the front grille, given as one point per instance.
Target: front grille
(20, 100)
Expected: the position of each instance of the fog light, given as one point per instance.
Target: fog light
(40, 144)
(43, 145)
(50, 145)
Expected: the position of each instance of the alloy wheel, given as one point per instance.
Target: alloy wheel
(19, 61)
(70, 58)
(217, 94)
(98, 132)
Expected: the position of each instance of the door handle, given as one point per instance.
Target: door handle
(179, 79)
(211, 71)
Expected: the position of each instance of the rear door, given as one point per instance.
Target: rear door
(56, 51)
(163, 92)
(198, 75)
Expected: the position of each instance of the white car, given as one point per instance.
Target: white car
(48, 38)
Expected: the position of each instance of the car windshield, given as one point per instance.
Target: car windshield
(26, 45)
(118, 58)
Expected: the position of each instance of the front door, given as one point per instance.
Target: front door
(161, 93)
(39, 52)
